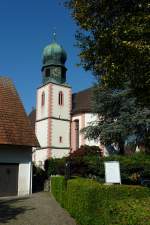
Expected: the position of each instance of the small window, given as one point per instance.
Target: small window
(60, 139)
(43, 99)
(61, 98)
(47, 72)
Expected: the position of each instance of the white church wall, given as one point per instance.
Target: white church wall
(40, 156)
(60, 153)
(61, 129)
(42, 111)
(84, 120)
(61, 111)
(42, 132)
(90, 117)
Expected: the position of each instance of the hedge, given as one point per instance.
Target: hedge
(133, 167)
(58, 188)
(91, 203)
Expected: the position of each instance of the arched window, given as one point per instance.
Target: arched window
(43, 99)
(61, 98)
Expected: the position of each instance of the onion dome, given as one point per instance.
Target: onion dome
(54, 54)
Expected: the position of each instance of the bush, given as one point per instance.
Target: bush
(134, 167)
(91, 203)
(85, 161)
(85, 150)
(55, 166)
(85, 164)
(50, 167)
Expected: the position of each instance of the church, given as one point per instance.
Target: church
(59, 115)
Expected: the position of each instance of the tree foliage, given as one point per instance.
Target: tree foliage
(114, 43)
(121, 120)
(113, 36)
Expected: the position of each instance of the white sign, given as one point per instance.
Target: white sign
(112, 172)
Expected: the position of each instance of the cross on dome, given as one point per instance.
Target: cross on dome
(54, 35)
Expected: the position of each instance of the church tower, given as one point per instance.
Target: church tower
(53, 109)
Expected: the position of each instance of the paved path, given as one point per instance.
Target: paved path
(39, 209)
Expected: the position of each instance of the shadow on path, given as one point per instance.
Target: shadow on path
(11, 208)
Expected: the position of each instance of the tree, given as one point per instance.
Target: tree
(120, 121)
(113, 38)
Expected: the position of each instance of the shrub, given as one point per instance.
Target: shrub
(50, 167)
(85, 164)
(91, 203)
(85, 150)
(55, 166)
(133, 167)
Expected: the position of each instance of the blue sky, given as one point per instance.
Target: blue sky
(25, 29)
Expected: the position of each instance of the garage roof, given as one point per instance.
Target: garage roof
(15, 127)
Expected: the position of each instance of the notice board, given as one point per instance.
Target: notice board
(112, 172)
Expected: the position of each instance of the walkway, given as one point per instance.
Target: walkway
(39, 209)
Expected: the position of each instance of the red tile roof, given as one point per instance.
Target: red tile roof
(82, 101)
(15, 127)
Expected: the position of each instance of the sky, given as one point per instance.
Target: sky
(26, 27)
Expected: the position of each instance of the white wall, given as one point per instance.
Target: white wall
(84, 120)
(42, 111)
(59, 153)
(39, 156)
(60, 128)
(61, 111)
(24, 179)
(89, 117)
(22, 156)
(42, 132)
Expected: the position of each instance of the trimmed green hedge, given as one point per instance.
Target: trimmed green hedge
(91, 203)
(58, 188)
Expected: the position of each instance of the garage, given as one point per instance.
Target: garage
(8, 179)
(16, 141)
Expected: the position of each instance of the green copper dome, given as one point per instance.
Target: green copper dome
(54, 54)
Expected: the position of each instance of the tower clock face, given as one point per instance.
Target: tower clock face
(56, 71)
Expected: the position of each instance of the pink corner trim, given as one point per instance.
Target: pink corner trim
(49, 132)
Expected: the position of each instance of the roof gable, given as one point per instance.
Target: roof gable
(15, 127)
